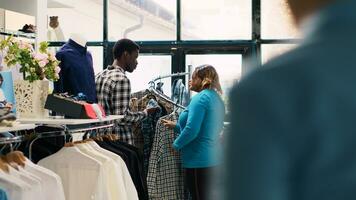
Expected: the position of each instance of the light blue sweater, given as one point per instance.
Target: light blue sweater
(199, 127)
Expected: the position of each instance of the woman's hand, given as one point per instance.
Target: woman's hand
(168, 124)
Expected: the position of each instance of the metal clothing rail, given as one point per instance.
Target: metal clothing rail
(170, 75)
(154, 91)
(10, 140)
(65, 132)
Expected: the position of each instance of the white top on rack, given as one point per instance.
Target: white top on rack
(54, 121)
(18, 127)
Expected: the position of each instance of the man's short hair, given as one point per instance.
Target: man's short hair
(124, 45)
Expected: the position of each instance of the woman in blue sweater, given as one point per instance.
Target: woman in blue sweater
(199, 127)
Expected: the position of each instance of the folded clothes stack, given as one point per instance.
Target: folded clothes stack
(7, 118)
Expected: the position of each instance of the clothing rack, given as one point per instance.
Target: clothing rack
(65, 132)
(10, 141)
(169, 75)
(68, 127)
(153, 90)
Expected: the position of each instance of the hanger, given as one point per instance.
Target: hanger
(69, 144)
(16, 157)
(4, 166)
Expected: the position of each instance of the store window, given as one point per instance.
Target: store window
(216, 19)
(227, 66)
(84, 17)
(270, 51)
(149, 67)
(97, 55)
(276, 20)
(142, 19)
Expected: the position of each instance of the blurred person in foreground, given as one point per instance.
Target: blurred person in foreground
(293, 132)
(199, 127)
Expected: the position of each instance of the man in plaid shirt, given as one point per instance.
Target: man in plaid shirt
(114, 90)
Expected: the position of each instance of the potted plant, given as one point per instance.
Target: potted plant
(38, 68)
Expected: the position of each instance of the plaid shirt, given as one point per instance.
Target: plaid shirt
(165, 172)
(113, 90)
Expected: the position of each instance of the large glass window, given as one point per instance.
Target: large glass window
(84, 17)
(216, 19)
(148, 68)
(270, 51)
(276, 20)
(97, 55)
(142, 19)
(227, 66)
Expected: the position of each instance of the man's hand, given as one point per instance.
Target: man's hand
(169, 124)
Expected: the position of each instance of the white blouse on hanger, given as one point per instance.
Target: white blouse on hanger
(82, 176)
(31, 182)
(50, 181)
(15, 188)
(122, 171)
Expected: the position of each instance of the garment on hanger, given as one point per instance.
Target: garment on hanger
(90, 172)
(133, 160)
(83, 171)
(82, 176)
(165, 173)
(122, 172)
(148, 128)
(139, 101)
(27, 181)
(43, 147)
(180, 93)
(77, 72)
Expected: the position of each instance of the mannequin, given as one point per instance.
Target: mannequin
(77, 72)
(79, 39)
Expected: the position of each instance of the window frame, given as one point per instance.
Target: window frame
(250, 49)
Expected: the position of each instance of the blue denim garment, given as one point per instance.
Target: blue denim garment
(180, 93)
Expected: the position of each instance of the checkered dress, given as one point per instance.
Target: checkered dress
(113, 91)
(165, 173)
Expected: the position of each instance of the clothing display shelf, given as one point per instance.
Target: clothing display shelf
(18, 127)
(17, 34)
(54, 121)
(153, 89)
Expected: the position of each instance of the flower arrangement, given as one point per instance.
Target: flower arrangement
(34, 65)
